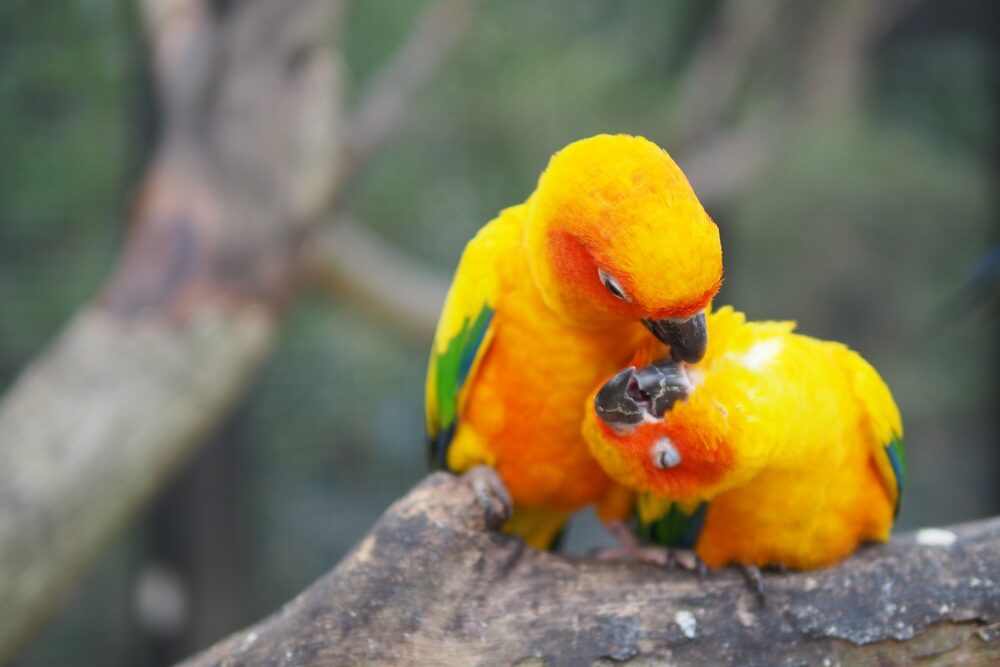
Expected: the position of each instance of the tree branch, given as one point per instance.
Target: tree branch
(383, 103)
(223, 227)
(725, 164)
(723, 161)
(180, 35)
(344, 258)
(94, 427)
(433, 583)
(97, 423)
(711, 79)
(351, 262)
(835, 60)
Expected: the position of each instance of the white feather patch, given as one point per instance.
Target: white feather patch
(761, 353)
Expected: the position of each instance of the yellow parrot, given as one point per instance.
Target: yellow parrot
(777, 449)
(551, 297)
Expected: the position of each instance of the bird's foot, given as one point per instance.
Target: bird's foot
(637, 553)
(492, 496)
(755, 582)
(688, 559)
(631, 549)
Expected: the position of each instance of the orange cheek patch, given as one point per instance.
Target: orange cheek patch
(704, 460)
(621, 455)
(571, 259)
(574, 264)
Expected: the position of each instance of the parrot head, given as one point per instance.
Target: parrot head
(616, 234)
(646, 442)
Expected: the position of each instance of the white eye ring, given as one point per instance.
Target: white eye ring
(609, 282)
(665, 454)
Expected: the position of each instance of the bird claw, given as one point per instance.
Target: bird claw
(687, 559)
(491, 495)
(631, 549)
(755, 582)
(636, 554)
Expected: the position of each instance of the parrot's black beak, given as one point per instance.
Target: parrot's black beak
(626, 399)
(687, 339)
(614, 405)
(661, 385)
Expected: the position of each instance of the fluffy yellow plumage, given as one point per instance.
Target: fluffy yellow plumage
(549, 299)
(787, 450)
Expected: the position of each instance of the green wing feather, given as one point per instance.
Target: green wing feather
(897, 459)
(882, 423)
(676, 528)
(465, 329)
(450, 371)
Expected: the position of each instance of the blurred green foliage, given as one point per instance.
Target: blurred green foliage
(860, 227)
(64, 126)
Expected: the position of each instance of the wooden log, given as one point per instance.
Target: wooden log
(434, 583)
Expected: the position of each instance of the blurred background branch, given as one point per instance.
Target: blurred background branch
(345, 258)
(712, 77)
(384, 100)
(95, 425)
(354, 263)
(840, 42)
(727, 163)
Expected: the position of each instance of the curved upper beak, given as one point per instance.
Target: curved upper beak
(614, 405)
(687, 339)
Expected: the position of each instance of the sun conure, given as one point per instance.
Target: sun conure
(776, 449)
(551, 297)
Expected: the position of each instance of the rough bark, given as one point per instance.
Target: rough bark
(434, 583)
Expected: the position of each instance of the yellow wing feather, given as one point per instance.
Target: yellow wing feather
(465, 330)
(883, 422)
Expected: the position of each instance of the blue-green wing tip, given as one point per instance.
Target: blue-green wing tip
(676, 529)
(457, 361)
(897, 458)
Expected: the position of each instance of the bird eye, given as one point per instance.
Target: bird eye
(665, 454)
(612, 285)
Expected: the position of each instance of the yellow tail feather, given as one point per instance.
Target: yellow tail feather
(537, 526)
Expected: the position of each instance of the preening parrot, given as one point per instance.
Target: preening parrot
(776, 449)
(551, 297)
